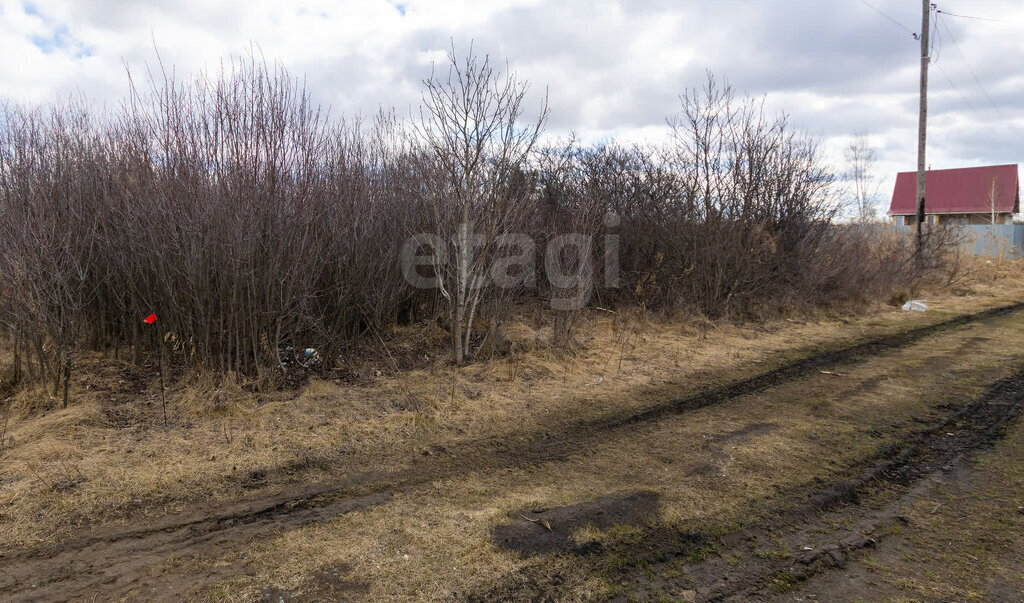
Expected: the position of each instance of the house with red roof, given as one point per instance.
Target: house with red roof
(980, 195)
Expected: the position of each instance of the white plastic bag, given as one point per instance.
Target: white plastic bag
(916, 305)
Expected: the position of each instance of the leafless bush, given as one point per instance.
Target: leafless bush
(252, 225)
(257, 226)
(577, 191)
(51, 170)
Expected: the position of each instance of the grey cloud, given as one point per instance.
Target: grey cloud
(836, 67)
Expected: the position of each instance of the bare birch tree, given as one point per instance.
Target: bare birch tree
(861, 158)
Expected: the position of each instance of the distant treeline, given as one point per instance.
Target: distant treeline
(255, 225)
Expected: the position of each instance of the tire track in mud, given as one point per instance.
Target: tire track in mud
(801, 367)
(935, 450)
(116, 560)
(834, 523)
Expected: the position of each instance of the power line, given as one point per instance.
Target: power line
(999, 133)
(960, 51)
(936, 47)
(968, 16)
(959, 93)
(881, 12)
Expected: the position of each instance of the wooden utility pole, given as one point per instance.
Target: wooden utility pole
(922, 126)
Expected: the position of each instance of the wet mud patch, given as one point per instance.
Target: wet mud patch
(542, 531)
(329, 584)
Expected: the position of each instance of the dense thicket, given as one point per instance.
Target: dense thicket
(255, 225)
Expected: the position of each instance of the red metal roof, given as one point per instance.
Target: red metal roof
(964, 190)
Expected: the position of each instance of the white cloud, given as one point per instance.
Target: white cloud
(612, 68)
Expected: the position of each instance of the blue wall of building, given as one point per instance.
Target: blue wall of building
(989, 240)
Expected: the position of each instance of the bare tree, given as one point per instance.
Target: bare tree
(471, 130)
(995, 187)
(860, 159)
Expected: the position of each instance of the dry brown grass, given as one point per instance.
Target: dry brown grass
(108, 458)
(436, 540)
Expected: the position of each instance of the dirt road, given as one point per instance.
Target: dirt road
(842, 518)
(167, 558)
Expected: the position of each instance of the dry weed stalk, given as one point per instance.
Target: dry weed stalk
(3, 429)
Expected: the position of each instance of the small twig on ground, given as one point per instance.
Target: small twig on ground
(227, 433)
(539, 520)
(67, 471)
(451, 394)
(39, 477)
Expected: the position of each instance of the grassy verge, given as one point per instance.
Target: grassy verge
(108, 459)
(708, 470)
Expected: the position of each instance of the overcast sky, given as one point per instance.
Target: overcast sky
(613, 69)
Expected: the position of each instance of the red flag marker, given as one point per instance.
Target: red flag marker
(149, 319)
